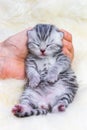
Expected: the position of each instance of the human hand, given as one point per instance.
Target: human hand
(14, 50)
(68, 47)
(12, 55)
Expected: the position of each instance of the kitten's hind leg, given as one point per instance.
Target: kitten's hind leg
(21, 110)
(60, 106)
(63, 102)
(28, 104)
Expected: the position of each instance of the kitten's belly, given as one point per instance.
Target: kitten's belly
(45, 63)
(47, 93)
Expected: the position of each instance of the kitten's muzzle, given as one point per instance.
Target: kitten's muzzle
(42, 51)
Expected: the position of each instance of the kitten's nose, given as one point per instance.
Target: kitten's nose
(42, 50)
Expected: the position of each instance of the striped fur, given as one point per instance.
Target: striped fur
(51, 83)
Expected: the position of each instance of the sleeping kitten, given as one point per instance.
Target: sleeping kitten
(51, 83)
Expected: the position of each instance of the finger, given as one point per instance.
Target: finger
(67, 35)
(68, 53)
(67, 45)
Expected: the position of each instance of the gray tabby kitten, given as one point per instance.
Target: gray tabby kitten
(51, 83)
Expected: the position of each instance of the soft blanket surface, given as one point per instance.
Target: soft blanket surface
(70, 15)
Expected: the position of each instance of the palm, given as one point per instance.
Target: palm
(13, 52)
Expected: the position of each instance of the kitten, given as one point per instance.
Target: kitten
(51, 83)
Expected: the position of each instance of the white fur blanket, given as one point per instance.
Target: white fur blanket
(70, 15)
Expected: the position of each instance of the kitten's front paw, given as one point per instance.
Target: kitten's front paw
(51, 78)
(33, 83)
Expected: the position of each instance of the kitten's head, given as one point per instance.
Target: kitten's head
(44, 40)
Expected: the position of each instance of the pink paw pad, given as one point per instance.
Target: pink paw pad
(17, 108)
(61, 108)
(43, 107)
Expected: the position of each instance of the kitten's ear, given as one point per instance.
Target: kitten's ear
(60, 32)
(61, 35)
(29, 34)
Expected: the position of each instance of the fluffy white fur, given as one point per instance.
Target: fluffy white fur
(70, 15)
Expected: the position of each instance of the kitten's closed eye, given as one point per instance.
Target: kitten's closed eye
(34, 43)
(53, 45)
(48, 45)
(37, 44)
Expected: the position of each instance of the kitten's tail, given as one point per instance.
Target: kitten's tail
(39, 112)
